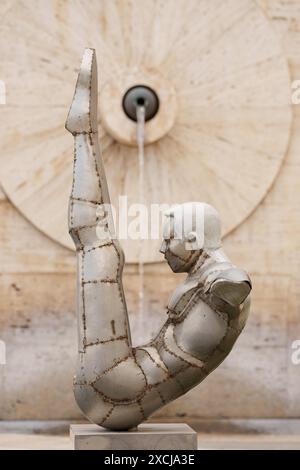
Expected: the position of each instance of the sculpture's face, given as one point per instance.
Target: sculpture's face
(179, 259)
(189, 229)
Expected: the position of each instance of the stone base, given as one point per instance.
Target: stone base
(146, 437)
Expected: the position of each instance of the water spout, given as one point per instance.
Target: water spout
(140, 136)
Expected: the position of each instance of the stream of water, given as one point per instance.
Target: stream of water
(140, 136)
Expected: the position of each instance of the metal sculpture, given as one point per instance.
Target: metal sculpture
(118, 386)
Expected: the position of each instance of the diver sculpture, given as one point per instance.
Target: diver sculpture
(118, 386)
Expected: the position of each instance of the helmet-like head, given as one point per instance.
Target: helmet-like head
(188, 230)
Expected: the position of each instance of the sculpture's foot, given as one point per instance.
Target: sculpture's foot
(82, 117)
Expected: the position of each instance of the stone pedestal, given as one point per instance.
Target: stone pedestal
(146, 437)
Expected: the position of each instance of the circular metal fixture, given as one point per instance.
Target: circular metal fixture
(137, 87)
(140, 95)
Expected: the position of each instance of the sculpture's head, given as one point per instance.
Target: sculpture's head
(188, 230)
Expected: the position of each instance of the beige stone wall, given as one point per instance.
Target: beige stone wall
(37, 319)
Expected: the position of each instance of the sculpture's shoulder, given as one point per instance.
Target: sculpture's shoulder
(222, 286)
(229, 289)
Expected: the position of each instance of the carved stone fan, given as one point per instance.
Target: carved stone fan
(224, 117)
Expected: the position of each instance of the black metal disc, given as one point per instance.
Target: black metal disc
(140, 95)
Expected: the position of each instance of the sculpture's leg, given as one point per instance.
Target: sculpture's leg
(109, 382)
